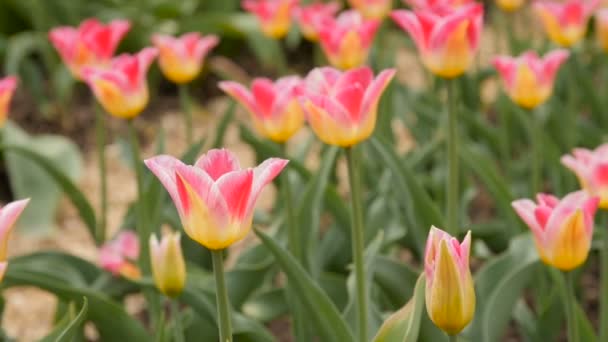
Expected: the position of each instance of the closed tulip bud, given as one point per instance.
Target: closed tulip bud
(529, 79)
(591, 169)
(565, 22)
(342, 107)
(168, 266)
(450, 294)
(181, 59)
(274, 16)
(347, 39)
(119, 255)
(122, 89)
(601, 27)
(372, 9)
(312, 17)
(275, 109)
(562, 229)
(92, 44)
(214, 197)
(7, 88)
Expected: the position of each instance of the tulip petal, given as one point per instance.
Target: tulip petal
(410, 23)
(164, 167)
(241, 94)
(191, 181)
(525, 208)
(236, 188)
(218, 162)
(263, 91)
(262, 175)
(375, 90)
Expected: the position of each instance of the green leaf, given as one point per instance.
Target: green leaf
(267, 305)
(330, 324)
(396, 280)
(404, 325)
(222, 127)
(70, 326)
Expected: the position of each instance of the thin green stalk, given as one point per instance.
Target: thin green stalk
(221, 292)
(293, 240)
(452, 182)
(140, 225)
(570, 306)
(604, 282)
(159, 332)
(453, 338)
(186, 106)
(100, 130)
(537, 155)
(357, 241)
(178, 330)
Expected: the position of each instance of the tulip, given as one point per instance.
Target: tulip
(313, 16)
(601, 26)
(509, 5)
(168, 266)
(565, 23)
(447, 40)
(274, 15)
(436, 5)
(181, 59)
(119, 255)
(342, 107)
(92, 44)
(275, 109)
(528, 79)
(122, 88)
(215, 198)
(372, 9)
(347, 39)
(7, 88)
(591, 169)
(562, 229)
(9, 214)
(450, 295)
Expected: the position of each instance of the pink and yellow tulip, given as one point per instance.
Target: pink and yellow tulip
(601, 28)
(274, 16)
(562, 229)
(7, 89)
(181, 58)
(509, 6)
(529, 79)
(342, 107)
(119, 255)
(372, 9)
(168, 265)
(591, 169)
(313, 16)
(450, 294)
(565, 22)
(9, 214)
(347, 39)
(276, 111)
(92, 44)
(447, 39)
(122, 89)
(215, 198)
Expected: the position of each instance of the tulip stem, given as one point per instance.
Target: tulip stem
(178, 332)
(139, 210)
(536, 140)
(453, 338)
(604, 286)
(292, 223)
(452, 182)
(100, 132)
(186, 105)
(357, 241)
(570, 305)
(221, 294)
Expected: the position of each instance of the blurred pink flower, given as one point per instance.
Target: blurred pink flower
(372, 9)
(565, 22)
(119, 255)
(601, 27)
(9, 214)
(7, 88)
(274, 16)
(591, 169)
(312, 17)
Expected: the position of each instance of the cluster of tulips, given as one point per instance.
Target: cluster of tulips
(215, 197)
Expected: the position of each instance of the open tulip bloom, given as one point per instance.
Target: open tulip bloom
(122, 89)
(591, 169)
(529, 79)
(181, 58)
(372, 9)
(436, 5)
(565, 22)
(342, 107)
(274, 16)
(214, 197)
(312, 17)
(450, 294)
(562, 229)
(92, 44)
(447, 39)
(9, 214)
(274, 106)
(347, 39)
(7, 89)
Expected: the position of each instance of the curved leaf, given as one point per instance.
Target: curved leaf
(66, 331)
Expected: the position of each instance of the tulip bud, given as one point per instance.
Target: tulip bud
(168, 266)
(7, 88)
(450, 296)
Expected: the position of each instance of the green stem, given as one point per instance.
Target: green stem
(292, 223)
(536, 140)
(178, 331)
(357, 241)
(570, 306)
(100, 130)
(159, 332)
(453, 338)
(140, 225)
(604, 284)
(186, 106)
(452, 183)
(223, 305)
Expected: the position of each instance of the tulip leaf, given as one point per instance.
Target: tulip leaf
(397, 280)
(69, 326)
(267, 305)
(404, 325)
(222, 127)
(330, 324)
